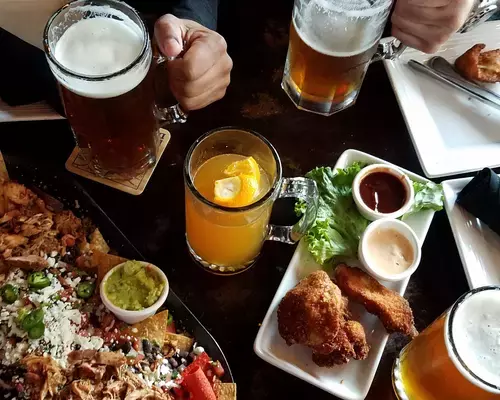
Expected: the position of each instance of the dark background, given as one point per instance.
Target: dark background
(232, 307)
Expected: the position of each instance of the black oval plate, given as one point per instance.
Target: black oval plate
(62, 186)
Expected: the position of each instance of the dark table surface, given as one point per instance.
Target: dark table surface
(232, 307)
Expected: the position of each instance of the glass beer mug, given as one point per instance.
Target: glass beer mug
(332, 42)
(100, 53)
(458, 356)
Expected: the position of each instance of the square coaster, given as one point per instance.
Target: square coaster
(78, 164)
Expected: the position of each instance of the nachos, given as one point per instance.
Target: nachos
(58, 341)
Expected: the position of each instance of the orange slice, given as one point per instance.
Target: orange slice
(236, 191)
(247, 166)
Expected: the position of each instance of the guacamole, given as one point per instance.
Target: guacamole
(134, 286)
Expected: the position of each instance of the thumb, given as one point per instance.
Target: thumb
(169, 32)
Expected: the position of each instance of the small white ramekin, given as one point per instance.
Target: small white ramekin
(370, 265)
(129, 316)
(373, 215)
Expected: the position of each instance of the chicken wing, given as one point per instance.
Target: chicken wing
(311, 314)
(350, 343)
(392, 309)
(477, 66)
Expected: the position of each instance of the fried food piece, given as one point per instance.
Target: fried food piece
(351, 343)
(356, 335)
(392, 309)
(477, 66)
(311, 313)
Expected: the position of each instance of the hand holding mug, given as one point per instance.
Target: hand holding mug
(202, 75)
(426, 24)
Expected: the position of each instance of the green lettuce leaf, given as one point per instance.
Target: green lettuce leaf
(338, 225)
(428, 195)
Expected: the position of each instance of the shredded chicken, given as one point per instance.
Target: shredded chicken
(50, 374)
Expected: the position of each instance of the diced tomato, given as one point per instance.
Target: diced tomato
(85, 320)
(171, 327)
(218, 369)
(66, 293)
(98, 332)
(135, 360)
(135, 345)
(68, 240)
(107, 321)
(109, 336)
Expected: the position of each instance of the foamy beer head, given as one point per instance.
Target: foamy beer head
(473, 330)
(98, 51)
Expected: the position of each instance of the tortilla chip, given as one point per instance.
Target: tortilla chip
(104, 263)
(97, 242)
(153, 328)
(181, 342)
(225, 391)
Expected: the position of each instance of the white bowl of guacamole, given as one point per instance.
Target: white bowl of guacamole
(134, 290)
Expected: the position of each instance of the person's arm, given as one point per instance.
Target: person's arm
(26, 19)
(202, 11)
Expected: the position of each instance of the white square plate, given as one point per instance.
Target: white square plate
(451, 132)
(353, 380)
(478, 245)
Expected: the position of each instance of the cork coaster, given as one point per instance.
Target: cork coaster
(78, 164)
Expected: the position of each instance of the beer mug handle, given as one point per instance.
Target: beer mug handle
(303, 189)
(172, 114)
(388, 49)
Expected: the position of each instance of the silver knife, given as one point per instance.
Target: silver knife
(448, 75)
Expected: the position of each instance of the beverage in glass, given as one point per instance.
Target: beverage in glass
(101, 56)
(332, 42)
(232, 178)
(458, 356)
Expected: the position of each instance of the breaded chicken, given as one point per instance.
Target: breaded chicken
(350, 342)
(311, 314)
(392, 309)
(481, 66)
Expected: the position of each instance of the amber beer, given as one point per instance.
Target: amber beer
(331, 45)
(319, 75)
(458, 356)
(120, 131)
(101, 56)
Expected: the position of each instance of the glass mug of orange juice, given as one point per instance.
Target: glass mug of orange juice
(232, 179)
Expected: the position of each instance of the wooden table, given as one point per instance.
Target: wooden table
(232, 307)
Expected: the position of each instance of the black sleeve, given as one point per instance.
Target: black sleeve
(201, 11)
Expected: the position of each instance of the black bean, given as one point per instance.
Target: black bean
(126, 347)
(173, 362)
(181, 368)
(146, 346)
(183, 354)
(77, 346)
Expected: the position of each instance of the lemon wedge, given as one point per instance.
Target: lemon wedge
(247, 166)
(236, 191)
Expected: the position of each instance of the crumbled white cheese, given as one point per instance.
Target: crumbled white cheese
(61, 332)
(44, 295)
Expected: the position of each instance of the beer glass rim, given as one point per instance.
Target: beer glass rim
(94, 78)
(199, 196)
(450, 343)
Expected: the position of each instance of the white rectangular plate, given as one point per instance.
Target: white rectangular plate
(451, 132)
(353, 380)
(29, 112)
(478, 245)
